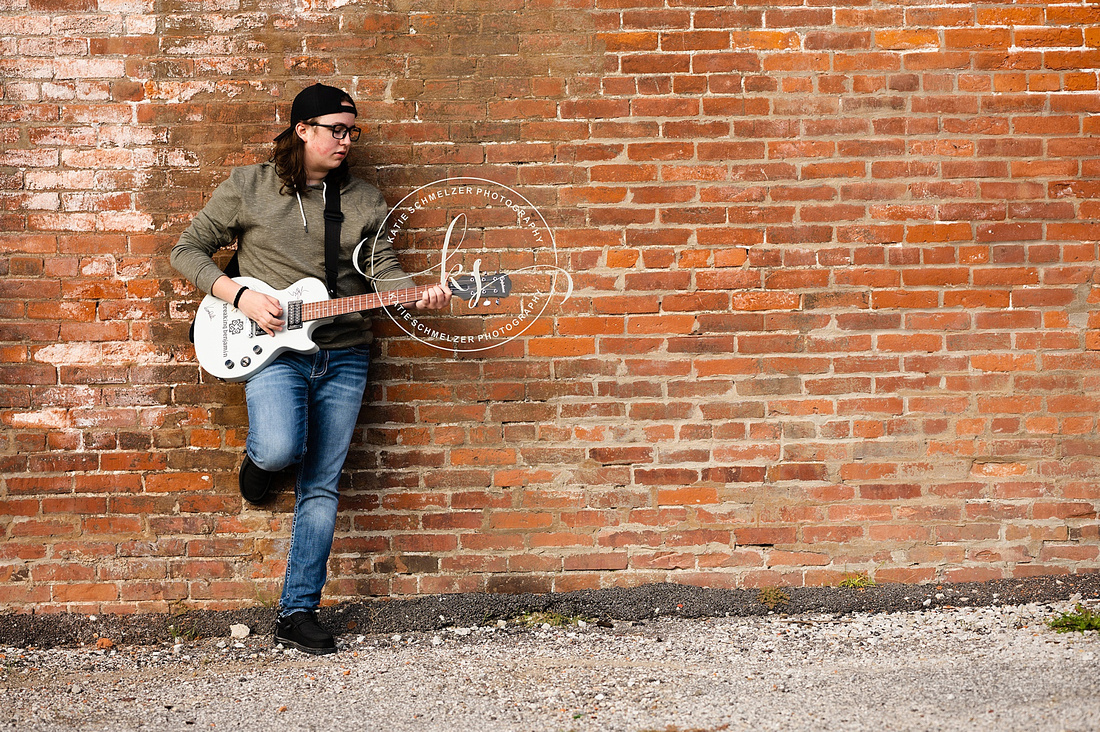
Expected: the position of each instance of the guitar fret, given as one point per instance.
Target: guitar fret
(358, 303)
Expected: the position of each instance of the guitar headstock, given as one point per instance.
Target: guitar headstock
(467, 287)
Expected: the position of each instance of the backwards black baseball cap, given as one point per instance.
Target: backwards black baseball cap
(316, 101)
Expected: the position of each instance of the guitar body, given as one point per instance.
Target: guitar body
(230, 347)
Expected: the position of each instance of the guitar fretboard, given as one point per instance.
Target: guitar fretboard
(358, 303)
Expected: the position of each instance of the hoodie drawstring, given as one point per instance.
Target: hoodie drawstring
(302, 210)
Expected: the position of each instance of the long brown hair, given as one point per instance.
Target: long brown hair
(289, 157)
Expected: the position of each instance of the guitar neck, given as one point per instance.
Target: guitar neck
(359, 303)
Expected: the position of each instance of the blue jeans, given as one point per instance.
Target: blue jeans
(303, 409)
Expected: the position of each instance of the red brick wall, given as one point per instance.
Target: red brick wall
(835, 306)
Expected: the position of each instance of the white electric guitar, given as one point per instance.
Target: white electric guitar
(230, 346)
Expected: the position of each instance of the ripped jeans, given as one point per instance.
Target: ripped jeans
(303, 409)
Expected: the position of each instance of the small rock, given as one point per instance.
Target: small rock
(239, 631)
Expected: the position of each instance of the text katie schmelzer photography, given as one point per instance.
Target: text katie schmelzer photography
(493, 248)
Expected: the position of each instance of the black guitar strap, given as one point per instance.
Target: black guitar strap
(334, 217)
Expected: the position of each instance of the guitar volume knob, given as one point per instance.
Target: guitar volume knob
(257, 350)
(245, 361)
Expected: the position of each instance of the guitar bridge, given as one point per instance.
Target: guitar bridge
(294, 315)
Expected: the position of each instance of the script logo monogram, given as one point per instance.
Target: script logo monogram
(487, 233)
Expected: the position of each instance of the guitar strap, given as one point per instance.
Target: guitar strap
(334, 217)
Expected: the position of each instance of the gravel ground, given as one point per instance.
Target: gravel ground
(940, 668)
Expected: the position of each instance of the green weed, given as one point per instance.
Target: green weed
(1079, 621)
(264, 597)
(857, 580)
(556, 620)
(183, 632)
(773, 597)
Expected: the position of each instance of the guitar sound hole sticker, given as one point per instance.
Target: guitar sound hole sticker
(493, 248)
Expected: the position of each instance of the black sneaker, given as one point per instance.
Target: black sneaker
(255, 482)
(300, 630)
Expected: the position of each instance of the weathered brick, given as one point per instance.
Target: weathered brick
(811, 246)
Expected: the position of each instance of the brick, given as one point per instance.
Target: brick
(765, 536)
(810, 244)
(588, 562)
(625, 455)
(84, 592)
(686, 496)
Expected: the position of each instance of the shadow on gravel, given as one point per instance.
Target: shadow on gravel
(386, 615)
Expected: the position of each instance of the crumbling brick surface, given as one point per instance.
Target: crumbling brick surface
(834, 305)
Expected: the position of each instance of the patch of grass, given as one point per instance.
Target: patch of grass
(772, 597)
(1079, 621)
(857, 580)
(183, 631)
(264, 598)
(556, 620)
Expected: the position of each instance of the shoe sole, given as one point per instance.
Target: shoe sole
(305, 649)
(247, 466)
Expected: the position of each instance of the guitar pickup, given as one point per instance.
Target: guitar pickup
(294, 315)
(293, 319)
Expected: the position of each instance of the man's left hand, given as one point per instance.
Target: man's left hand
(437, 298)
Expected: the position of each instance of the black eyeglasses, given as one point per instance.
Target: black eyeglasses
(339, 131)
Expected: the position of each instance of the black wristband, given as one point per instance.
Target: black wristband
(240, 292)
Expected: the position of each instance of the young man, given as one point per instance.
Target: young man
(301, 408)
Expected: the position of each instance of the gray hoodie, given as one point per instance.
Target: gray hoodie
(281, 239)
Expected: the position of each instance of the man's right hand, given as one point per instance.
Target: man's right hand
(262, 309)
